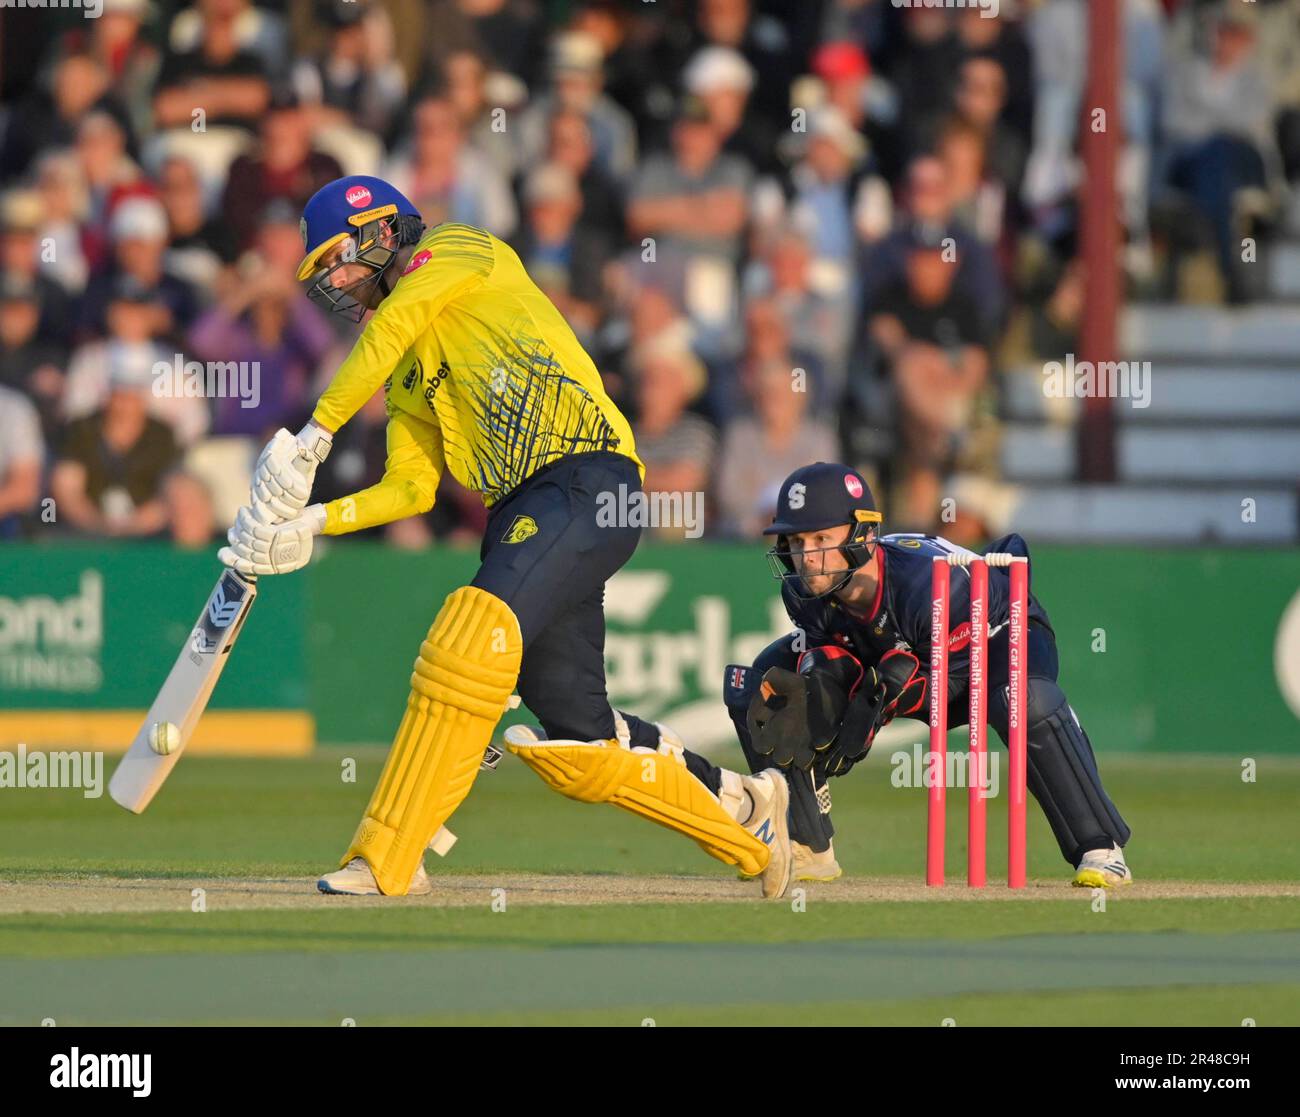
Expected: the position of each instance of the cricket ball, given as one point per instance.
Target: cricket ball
(164, 737)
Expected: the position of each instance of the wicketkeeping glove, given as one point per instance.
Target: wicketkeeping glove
(795, 716)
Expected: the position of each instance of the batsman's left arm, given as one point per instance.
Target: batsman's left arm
(410, 483)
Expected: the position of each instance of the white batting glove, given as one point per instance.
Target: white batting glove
(258, 545)
(286, 468)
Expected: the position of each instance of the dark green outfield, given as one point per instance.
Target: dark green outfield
(1160, 962)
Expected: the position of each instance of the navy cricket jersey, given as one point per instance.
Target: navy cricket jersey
(900, 614)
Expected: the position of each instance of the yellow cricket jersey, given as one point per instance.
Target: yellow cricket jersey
(482, 376)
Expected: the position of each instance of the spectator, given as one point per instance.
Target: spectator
(107, 170)
(28, 364)
(285, 166)
(1058, 35)
(113, 467)
(22, 459)
(646, 315)
(1219, 113)
(576, 65)
(507, 33)
(486, 120)
(764, 40)
(253, 29)
(565, 258)
(722, 79)
(867, 102)
(676, 445)
(819, 327)
(1002, 42)
(569, 145)
(980, 100)
(212, 69)
(634, 75)
(693, 200)
(138, 229)
(923, 72)
(355, 81)
(189, 511)
(446, 178)
(933, 344)
(117, 41)
(927, 205)
(134, 319)
(262, 322)
(21, 216)
(78, 83)
(198, 246)
(833, 196)
(979, 198)
(63, 205)
(761, 450)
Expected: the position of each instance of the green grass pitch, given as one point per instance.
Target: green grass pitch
(98, 919)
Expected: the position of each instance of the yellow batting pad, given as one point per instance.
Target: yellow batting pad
(654, 785)
(463, 678)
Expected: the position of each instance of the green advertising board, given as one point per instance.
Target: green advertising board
(1160, 650)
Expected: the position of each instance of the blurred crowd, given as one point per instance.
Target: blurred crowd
(785, 231)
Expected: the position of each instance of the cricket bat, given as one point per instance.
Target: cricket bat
(184, 696)
(189, 685)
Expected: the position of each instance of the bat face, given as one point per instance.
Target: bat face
(184, 695)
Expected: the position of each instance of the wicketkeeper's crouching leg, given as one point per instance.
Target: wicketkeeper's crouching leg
(463, 679)
(811, 830)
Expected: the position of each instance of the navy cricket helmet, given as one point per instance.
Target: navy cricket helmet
(375, 216)
(818, 496)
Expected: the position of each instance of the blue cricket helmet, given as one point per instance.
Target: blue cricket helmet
(344, 208)
(815, 497)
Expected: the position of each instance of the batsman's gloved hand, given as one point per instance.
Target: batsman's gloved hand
(796, 715)
(258, 545)
(286, 468)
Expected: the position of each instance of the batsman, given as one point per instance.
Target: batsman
(483, 377)
(812, 703)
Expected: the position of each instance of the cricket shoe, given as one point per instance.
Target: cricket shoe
(769, 822)
(1103, 868)
(356, 878)
(815, 866)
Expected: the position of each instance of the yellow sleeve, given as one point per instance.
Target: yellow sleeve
(445, 266)
(408, 487)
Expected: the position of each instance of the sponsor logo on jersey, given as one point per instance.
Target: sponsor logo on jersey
(358, 196)
(522, 527)
(915, 544)
(959, 637)
(738, 678)
(417, 261)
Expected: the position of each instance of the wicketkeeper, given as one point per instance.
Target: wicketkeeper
(812, 703)
(483, 377)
